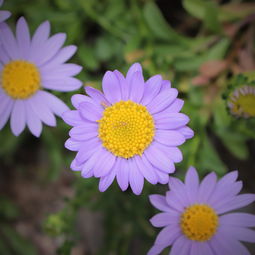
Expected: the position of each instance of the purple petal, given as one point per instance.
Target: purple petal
(156, 249)
(23, 37)
(104, 164)
(61, 57)
(5, 111)
(90, 111)
(239, 233)
(40, 37)
(146, 169)
(83, 133)
(123, 174)
(42, 110)
(238, 219)
(63, 84)
(168, 235)
(164, 219)
(136, 87)
(162, 100)
(111, 87)
(87, 150)
(50, 48)
(55, 104)
(96, 95)
(171, 121)
(77, 99)
(225, 181)
(227, 195)
(73, 145)
(158, 158)
(163, 178)
(223, 244)
(123, 85)
(207, 187)
(173, 153)
(204, 249)
(182, 246)
(175, 201)
(33, 121)
(165, 85)
(18, 117)
(175, 107)
(63, 71)
(151, 89)
(73, 118)
(237, 202)
(169, 137)
(4, 57)
(192, 184)
(4, 15)
(179, 188)
(107, 180)
(186, 131)
(159, 202)
(88, 166)
(136, 179)
(136, 67)
(75, 166)
(9, 42)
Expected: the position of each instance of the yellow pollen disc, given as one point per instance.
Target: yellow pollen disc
(243, 104)
(126, 129)
(20, 79)
(199, 222)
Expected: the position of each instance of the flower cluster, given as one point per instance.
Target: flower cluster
(130, 132)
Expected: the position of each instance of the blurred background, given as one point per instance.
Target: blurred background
(200, 45)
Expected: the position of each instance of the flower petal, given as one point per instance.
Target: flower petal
(18, 117)
(162, 100)
(136, 87)
(123, 174)
(90, 111)
(151, 89)
(136, 179)
(111, 87)
(169, 137)
(23, 37)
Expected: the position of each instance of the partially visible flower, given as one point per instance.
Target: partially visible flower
(27, 68)
(240, 97)
(197, 219)
(130, 132)
(241, 101)
(4, 15)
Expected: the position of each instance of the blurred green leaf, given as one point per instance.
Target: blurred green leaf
(18, 244)
(160, 28)
(209, 158)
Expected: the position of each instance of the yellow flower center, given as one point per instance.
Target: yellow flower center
(199, 222)
(126, 129)
(20, 79)
(243, 103)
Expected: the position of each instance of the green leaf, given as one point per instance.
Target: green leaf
(87, 57)
(209, 158)
(195, 8)
(235, 143)
(17, 243)
(160, 28)
(212, 18)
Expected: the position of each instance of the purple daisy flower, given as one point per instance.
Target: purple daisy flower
(4, 15)
(130, 132)
(197, 219)
(27, 67)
